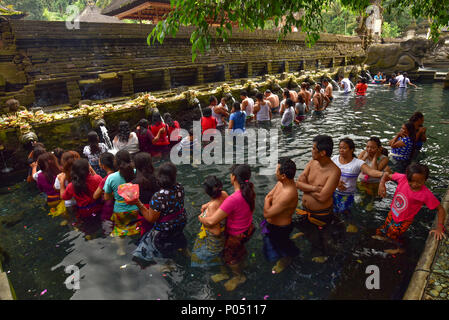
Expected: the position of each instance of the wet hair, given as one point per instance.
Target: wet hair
(289, 102)
(207, 112)
(416, 168)
(259, 96)
(287, 167)
(107, 160)
(300, 99)
(393, 75)
(93, 139)
(166, 175)
(242, 173)
(67, 160)
(79, 173)
(212, 99)
(169, 120)
(376, 140)
(123, 131)
(326, 80)
(37, 151)
(416, 116)
(145, 172)
(286, 93)
(350, 144)
(48, 163)
(143, 124)
(268, 91)
(412, 135)
(124, 165)
(363, 80)
(243, 93)
(156, 118)
(324, 142)
(237, 106)
(213, 186)
(405, 74)
(191, 132)
(317, 87)
(303, 85)
(58, 153)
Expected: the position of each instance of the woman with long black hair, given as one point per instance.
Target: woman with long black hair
(125, 139)
(125, 216)
(238, 211)
(148, 185)
(82, 188)
(166, 211)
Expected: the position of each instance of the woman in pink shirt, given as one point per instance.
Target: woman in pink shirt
(238, 211)
(411, 194)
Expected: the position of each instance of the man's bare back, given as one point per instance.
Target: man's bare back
(274, 100)
(328, 91)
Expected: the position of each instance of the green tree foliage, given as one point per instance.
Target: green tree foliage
(390, 30)
(339, 20)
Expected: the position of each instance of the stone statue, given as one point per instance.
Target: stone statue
(404, 56)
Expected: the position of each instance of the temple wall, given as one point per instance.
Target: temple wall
(43, 63)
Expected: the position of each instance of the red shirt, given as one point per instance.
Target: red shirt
(175, 126)
(208, 123)
(164, 139)
(361, 89)
(83, 199)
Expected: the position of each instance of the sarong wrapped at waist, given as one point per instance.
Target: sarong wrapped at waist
(318, 217)
(90, 209)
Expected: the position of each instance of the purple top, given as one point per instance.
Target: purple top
(145, 140)
(45, 186)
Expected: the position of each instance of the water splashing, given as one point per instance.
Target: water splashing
(107, 140)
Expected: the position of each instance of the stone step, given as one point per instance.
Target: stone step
(440, 76)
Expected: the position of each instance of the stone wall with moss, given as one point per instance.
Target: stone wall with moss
(43, 63)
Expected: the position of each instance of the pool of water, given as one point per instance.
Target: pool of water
(40, 249)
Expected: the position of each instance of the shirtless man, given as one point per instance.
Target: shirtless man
(306, 95)
(293, 95)
(328, 90)
(280, 204)
(274, 100)
(247, 105)
(320, 101)
(318, 181)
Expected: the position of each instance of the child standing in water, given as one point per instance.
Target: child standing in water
(238, 208)
(411, 194)
(106, 163)
(48, 164)
(210, 241)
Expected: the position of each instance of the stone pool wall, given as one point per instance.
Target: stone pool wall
(44, 63)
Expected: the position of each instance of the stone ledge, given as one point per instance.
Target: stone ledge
(5, 289)
(419, 280)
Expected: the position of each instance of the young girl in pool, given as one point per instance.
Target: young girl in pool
(411, 194)
(375, 157)
(210, 241)
(50, 169)
(106, 163)
(350, 168)
(82, 188)
(402, 146)
(67, 160)
(238, 211)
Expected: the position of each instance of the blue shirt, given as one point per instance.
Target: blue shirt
(403, 153)
(239, 119)
(111, 186)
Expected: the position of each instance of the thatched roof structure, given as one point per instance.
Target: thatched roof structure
(93, 14)
(138, 9)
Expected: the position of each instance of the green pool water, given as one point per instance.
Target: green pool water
(40, 249)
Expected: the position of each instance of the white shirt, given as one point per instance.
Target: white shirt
(349, 173)
(249, 106)
(403, 82)
(68, 203)
(287, 117)
(346, 85)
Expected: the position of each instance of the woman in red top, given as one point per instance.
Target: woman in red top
(162, 145)
(207, 121)
(172, 125)
(83, 186)
(361, 87)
